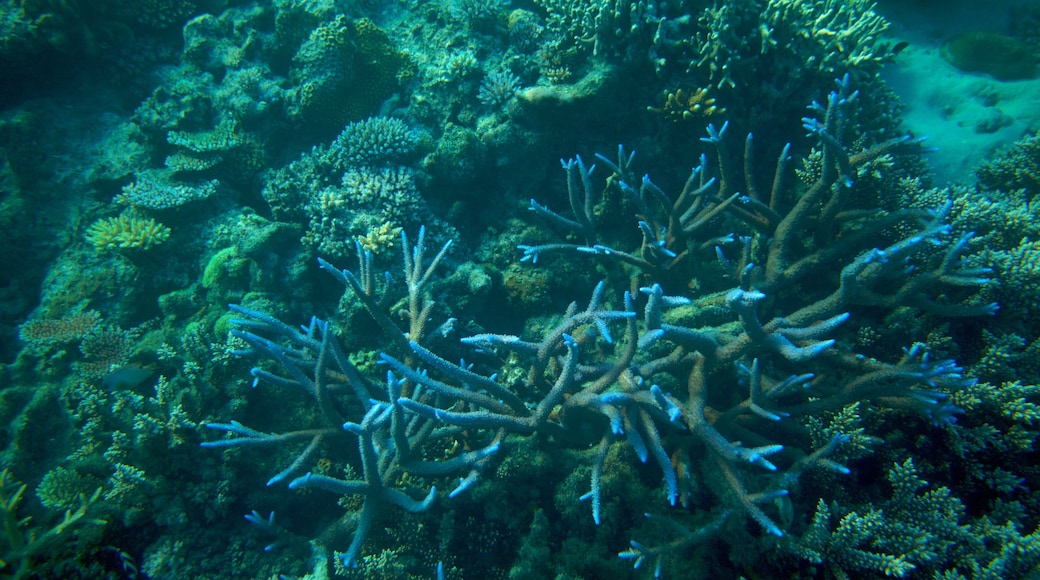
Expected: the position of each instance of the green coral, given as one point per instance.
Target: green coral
(847, 424)
(64, 489)
(915, 528)
(1016, 167)
(803, 44)
(847, 547)
(1012, 556)
(224, 269)
(818, 39)
(23, 545)
(1011, 405)
(599, 27)
(344, 71)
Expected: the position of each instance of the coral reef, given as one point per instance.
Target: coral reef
(779, 351)
(619, 396)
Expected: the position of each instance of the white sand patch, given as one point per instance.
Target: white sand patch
(966, 116)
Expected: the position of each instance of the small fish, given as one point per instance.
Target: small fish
(127, 377)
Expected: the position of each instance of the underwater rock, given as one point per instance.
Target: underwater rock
(1002, 57)
(566, 97)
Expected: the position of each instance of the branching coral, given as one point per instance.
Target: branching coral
(722, 404)
(23, 545)
(914, 528)
(126, 232)
(835, 37)
(684, 105)
(602, 27)
(373, 142)
(1015, 167)
(313, 361)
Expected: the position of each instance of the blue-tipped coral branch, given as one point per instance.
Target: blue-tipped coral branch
(311, 360)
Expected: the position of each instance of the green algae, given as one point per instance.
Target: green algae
(1000, 56)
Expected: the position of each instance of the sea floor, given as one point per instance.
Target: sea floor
(966, 116)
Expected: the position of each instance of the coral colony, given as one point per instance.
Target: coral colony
(316, 296)
(616, 399)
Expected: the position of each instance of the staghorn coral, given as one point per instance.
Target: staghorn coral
(377, 488)
(523, 516)
(714, 390)
(1000, 215)
(126, 232)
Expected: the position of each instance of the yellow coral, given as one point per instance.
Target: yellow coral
(684, 106)
(379, 237)
(126, 232)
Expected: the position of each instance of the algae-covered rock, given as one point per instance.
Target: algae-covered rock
(1002, 57)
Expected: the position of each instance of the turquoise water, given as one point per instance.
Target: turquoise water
(518, 289)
